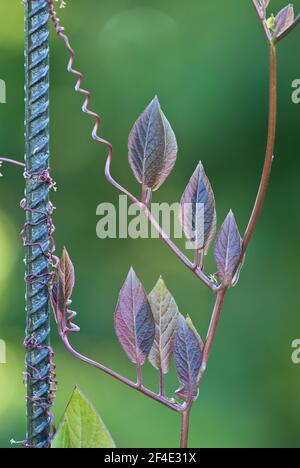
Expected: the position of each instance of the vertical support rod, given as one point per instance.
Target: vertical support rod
(37, 235)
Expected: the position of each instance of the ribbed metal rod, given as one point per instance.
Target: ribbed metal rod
(36, 233)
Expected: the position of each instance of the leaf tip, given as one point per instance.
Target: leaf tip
(161, 282)
(65, 251)
(155, 101)
(65, 255)
(230, 217)
(131, 272)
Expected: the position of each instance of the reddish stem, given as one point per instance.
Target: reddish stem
(257, 207)
(145, 391)
(185, 425)
(212, 328)
(265, 178)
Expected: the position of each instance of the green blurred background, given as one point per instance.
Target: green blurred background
(208, 62)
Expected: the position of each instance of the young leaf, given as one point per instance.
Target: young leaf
(165, 312)
(81, 426)
(284, 20)
(197, 212)
(63, 287)
(188, 357)
(228, 249)
(152, 147)
(134, 322)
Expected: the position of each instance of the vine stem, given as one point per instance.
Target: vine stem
(185, 425)
(212, 329)
(12, 161)
(264, 183)
(136, 386)
(265, 178)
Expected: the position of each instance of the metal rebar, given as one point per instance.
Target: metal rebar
(36, 233)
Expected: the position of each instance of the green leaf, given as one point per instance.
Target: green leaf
(82, 426)
(165, 313)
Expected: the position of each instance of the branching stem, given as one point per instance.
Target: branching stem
(140, 388)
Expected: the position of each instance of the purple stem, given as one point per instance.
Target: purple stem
(12, 161)
(145, 391)
(185, 426)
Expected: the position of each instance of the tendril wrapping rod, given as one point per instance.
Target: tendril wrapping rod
(38, 226)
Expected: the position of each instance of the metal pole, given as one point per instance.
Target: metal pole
(37, 234)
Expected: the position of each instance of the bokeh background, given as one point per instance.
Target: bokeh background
(208, 62)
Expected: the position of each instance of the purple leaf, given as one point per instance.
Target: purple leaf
(63, 288)
(152, 147)
(284, 20)
(197, 213)
(188, 357)
(134, 322)
(165, 312)
(228, 249)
